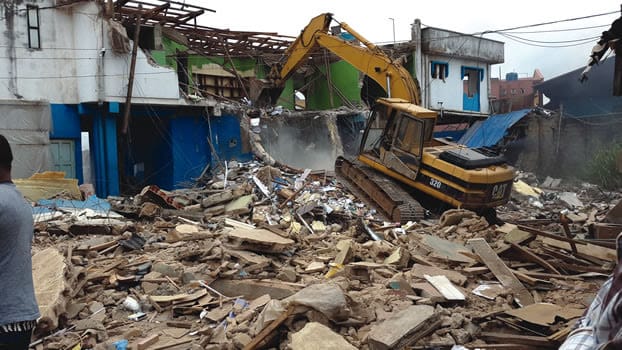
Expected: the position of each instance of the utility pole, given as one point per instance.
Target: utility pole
(130, 84)
(393, 22)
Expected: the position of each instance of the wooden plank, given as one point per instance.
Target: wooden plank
(501, 271)
(168, 298)
(170, 345)
(540, 342)
(548, 275)
(590, 250)
(147, 342)
(445, 287)
(269, 329)
(529, 255)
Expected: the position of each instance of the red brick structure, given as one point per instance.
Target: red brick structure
(514, 93)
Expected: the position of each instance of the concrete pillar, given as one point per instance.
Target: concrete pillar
(104, 150)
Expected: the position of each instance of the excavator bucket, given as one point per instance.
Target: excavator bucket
(264, 93)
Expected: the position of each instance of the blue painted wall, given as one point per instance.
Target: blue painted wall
(227, 140)
(104, 151)
(166, 146)
(171, 145)
(66, 125)
(190, 150)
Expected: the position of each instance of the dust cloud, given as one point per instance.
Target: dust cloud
(305, 146)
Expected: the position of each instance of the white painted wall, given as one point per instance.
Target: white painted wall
(450, 91)
(65, 69)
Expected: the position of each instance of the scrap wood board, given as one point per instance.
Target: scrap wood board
(501, 271)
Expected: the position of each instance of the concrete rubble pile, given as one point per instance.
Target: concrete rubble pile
(285, 259)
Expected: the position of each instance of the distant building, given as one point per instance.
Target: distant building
(453, 70)
(514, 93)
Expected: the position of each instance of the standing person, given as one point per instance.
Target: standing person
(18, 306)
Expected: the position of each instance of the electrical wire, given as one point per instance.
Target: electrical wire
(499, 31)
(552, 42)
(545, 46)
(553, 22)
(560, 30)
(83, 76)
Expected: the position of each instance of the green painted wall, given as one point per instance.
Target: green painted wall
(345, 78)
(287, 96)
(166, 58)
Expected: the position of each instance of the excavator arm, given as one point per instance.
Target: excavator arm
(368, 58)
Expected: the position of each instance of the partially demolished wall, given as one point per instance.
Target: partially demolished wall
(310, 139)
(26, 125)
(564, 148)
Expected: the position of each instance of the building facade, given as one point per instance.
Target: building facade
(68, 65)
(514, 93)
(453, 70)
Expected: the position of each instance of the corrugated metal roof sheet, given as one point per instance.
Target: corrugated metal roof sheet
(490, 131)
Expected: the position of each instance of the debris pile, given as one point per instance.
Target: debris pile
(266, 257)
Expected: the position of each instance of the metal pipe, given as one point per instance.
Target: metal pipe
(388, 86)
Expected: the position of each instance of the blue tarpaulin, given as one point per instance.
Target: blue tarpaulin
(490, 131)
(92, 202)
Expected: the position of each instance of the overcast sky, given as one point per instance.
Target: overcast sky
(372, 20)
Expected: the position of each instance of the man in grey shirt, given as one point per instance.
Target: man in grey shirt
(18, 306)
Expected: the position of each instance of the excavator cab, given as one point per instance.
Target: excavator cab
(396, 134)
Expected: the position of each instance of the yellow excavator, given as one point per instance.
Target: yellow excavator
(399, 162)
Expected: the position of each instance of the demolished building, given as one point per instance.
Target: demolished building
(72, 59)
(263, 255)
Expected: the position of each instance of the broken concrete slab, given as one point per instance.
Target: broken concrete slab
(253, 289)
(403, 328)
(550, 182)
(186, 232)
(249, 257)
(419, 270)
(455, 216)
(426, 290)
(259, 240)
(326, 298)
(445, 249)
(400, 257)
(220, 198)
(570, 199)
(315, 336)
(545, 314)
(48, 274)
(344, 247)
(315, 266)
(239, 206)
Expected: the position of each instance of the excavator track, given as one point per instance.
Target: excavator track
(383, 192)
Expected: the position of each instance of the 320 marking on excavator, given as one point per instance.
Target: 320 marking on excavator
(435, 183)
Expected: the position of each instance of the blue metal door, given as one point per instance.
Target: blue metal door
(471, 78)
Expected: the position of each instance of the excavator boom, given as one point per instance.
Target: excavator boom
(366, 57)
